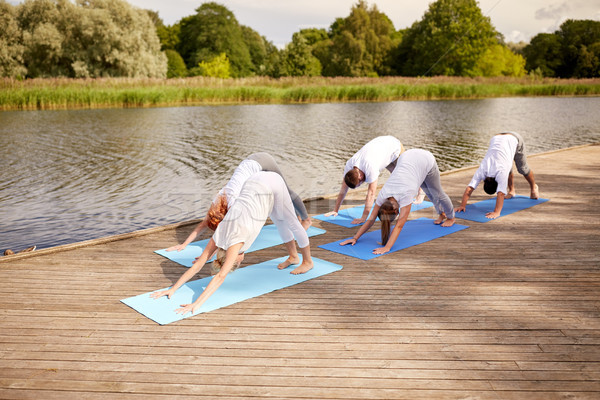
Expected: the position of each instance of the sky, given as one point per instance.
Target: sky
(277, 20)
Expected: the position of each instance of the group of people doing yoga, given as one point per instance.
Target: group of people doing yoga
(257, 190)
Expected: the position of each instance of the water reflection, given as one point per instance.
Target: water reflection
(75, 175)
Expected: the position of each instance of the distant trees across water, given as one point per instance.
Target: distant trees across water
(111, 38)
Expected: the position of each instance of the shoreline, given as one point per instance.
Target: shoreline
(75, 94)
(176, 225)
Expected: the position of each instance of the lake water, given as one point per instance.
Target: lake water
(69, 176)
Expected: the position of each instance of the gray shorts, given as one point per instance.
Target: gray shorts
(520, 157)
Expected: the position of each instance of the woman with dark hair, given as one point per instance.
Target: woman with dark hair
(264, 195)
(415, 169)
(227, 196)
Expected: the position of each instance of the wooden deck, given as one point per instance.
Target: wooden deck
(503, 310)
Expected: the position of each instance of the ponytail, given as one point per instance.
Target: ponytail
(216, 212)
(387, 214)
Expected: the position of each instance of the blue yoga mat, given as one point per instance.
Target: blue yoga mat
(268, 237)
(414, 232)
(345, 216)
(476, 211)
(239, 285)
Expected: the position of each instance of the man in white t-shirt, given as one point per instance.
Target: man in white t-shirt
(365, 166)
(496, 173)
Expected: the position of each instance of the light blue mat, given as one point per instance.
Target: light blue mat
(241, 284)
(414, 232)
(476, 211)
(268, 237)
(345, 216)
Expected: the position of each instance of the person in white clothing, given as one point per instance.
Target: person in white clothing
(263, 195)
(227, 196)
(365, 166)
(496, 173)
(415, 169)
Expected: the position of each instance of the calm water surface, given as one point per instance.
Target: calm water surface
(68, 176)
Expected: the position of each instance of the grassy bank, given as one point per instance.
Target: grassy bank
(43, 94)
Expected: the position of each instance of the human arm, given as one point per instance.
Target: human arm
(402, 218)
(210, 248)
(498, 209)
(199, 229)
(230, 256)
(338, 202)
(364, 228)
(368, 202)
(466, 195)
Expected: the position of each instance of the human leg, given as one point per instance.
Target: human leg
(293, 255)
(268, 163)
(511, 186)
(432, 186)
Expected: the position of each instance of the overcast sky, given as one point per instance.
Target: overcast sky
(277, 20)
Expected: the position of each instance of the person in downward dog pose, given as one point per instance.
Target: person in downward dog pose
(415, 169)
(227, 196)
(496, 173)
(264, 194)
(365, 166)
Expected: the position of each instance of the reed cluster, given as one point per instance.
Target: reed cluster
(43, 94)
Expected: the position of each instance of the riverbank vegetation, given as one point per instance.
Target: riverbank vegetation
(63, 93)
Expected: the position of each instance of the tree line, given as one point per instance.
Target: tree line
(111, 38)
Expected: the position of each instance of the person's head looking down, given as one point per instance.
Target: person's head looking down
(387, 214)
(217, 264)
(353, 178)
(490, 186)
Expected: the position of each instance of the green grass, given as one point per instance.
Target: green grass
(43, 94)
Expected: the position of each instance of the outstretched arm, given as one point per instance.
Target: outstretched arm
(368, 203)
(230, 257)
(402, 218)
(195, 268)
(193, 235)
(498, 209)
(465, 198)
(364, 228)
(338, 202)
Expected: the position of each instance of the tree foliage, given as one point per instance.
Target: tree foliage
(11, 47)
(359, 45)
(88, 38)
(450, 40)
(211, 31)
(297, 58)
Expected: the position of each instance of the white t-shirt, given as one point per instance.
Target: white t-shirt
(246, 217)
(374, 156)
(408, 176)
(497, 162)
(232, 189)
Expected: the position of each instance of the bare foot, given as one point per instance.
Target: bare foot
(440, 219)
(288, 262)
(306, 223)
(535, 192)
(302, 268)
(448, 222)
(510, 194)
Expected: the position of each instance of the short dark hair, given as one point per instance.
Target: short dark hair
(352, 178)
(490, 186)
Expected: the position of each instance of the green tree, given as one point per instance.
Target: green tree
(211, 31)
(573, 51)
(499, 60)
(89, 38)
(297, 58)
(580, 42)
(543, 54)
(450, 39)
(360, 44)
(176, 65)
(218, 67)
(11, 49)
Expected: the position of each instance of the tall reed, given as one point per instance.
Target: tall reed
(58, 93)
